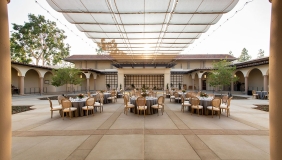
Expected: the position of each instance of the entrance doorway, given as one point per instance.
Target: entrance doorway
(204, 85)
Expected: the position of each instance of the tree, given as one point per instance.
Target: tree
(230, 52)
(222, 74)
(40, 39)
(260, 53)
(244, 56)
(64, 76)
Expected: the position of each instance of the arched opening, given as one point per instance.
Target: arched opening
(240, 84)
(91, 82)
(255, 80)
(47, 86)
(31, 82)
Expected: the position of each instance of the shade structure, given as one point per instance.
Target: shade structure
(144, 26)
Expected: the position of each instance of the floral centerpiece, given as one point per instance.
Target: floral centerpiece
(80, 96)
(144, 93)
(202, 94)
(183, 91)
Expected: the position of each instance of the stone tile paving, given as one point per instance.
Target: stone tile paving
(114, 135)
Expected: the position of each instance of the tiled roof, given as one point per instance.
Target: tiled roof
(89, 57)
(184, 56)
(31, 65)
(206, 56)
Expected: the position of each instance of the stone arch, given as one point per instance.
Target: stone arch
(32, 81)
(47, 79)
(240, 84)
(255, 79)
(15, 73)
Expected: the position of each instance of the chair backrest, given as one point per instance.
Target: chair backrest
(88, 94)
(161, 100)
(216, 102)
(195, 101)
(224, 99)
(66, 103)
(254, 92)
(188, 95)
(90, 101)
(127, 97)
(51, 106)
(113, 93)
(141, 101)
(229, 101)
(101, 97)
(60, 97)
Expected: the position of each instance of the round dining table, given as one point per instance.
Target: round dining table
(149, 102)
(106, 96)
(78, 103)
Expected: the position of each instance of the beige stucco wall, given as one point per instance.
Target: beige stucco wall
(255, 80)
(31, 81)
(101, 82)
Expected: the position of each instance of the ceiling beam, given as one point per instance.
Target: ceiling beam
(114, 24)
(137, 32)
(121, 13)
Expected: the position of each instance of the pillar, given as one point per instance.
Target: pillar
(232, 86)
(246, 85)
(265, 82)
(200, 84)
(21, 85)
(5, 84)
(193, 84)
(275, 86)
(87, 84)
(41, 85)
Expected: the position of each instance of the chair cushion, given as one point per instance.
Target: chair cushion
(172, 96)
(223, 106)
(156, 106)
(67, 109)
(142, 107)
(89, 107)
(98, 104)
(199, 106)
(212, 108)
(56, 108)
(130, 105)
(186, 104)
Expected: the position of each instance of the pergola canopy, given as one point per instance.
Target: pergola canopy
(144, 26)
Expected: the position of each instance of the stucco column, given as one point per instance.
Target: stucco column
(200, 84)
(232, 86)
(193, 84)
(21, 85)
(265, 80)
(87, 84)
(275, 86)
(5, 84)
(41, 85)
(246, 85)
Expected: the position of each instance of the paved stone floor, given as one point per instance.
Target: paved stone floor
(114, 135)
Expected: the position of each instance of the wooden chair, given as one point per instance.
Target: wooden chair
(67, 107)
(215, 106)
(226, 107)
(266, 96)
(195, 104)
(60, 97)
(112, 97)
(127, 105)
(172, 96)
(54, 108)
(255, 95)
(89, 105)
(100, 98)
(184, 104)
(159, 105)
(141, 105)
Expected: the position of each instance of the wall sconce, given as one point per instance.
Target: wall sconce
(205, 76)
(80, 76)
(234, 75)
(18, 73)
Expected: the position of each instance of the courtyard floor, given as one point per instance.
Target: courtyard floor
(114, 135)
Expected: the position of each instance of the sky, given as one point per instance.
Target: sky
(249, 28)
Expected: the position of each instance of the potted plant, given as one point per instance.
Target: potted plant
(132, 85)
(120, 86)
(167, 86)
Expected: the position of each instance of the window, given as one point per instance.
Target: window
(112, 79)
(175, 79)
(151, 81)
